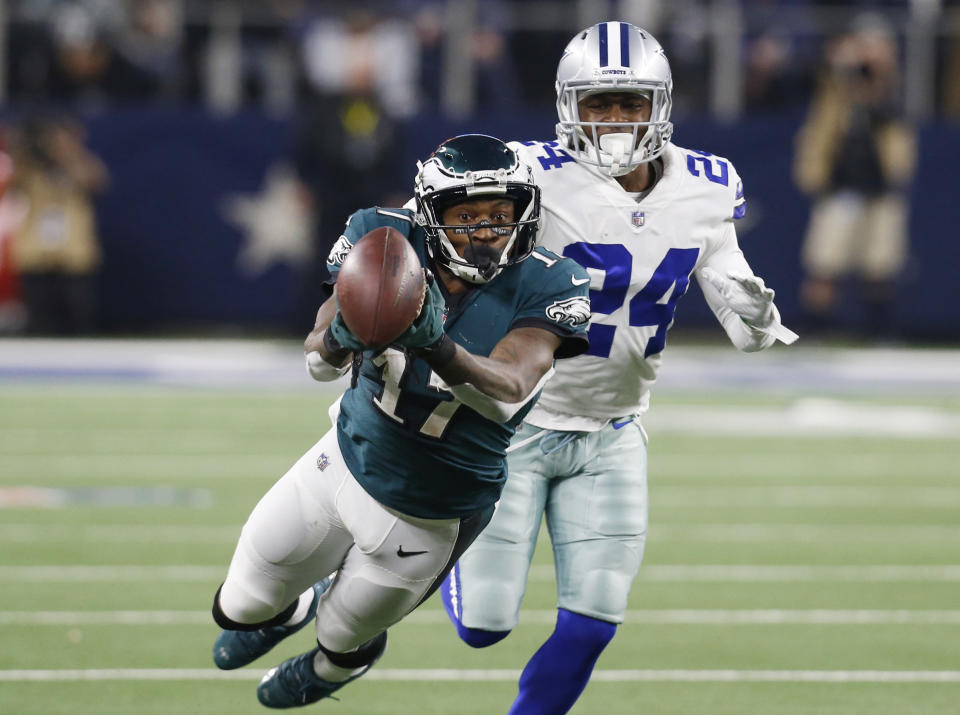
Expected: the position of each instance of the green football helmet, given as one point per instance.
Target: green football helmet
(476, 166)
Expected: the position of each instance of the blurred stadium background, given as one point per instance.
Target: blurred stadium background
(804, 553)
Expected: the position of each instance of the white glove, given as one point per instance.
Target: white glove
(321, 370)
(748, 297)
(745, 295)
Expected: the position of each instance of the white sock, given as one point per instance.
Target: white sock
(303, 605)
(330, 672)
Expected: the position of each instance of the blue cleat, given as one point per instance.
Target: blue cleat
(235, 649)
(294, 683)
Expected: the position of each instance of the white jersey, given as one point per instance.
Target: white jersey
(640, 256)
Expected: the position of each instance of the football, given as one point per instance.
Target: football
(380, 287)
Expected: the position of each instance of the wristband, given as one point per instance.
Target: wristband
(439, 353)
(331, 344)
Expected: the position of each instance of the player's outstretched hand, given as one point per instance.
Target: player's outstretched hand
(427, 329)
(341, 333)
(745, 295)
(748, 297)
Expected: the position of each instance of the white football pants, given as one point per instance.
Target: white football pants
(316, 520)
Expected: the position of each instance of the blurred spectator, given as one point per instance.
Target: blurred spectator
(150, 41)
(363, 48)
(856, 154)
(950, 82)
(779, 54)
(495, 70)
(86, 69)
(495, 76)
(55, 248)
(12, 315)
(346, 142)
(685, 36)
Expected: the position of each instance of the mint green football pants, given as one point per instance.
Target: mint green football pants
(592, 488)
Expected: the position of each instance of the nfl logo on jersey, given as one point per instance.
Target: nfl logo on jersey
(636, 218)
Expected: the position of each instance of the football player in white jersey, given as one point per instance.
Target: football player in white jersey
(642, 215)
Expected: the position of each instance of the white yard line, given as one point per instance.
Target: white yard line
(742, 617)
(797, 462)
(456, 675)
(119, 533)
(105, 618)
(138, 467)
(33, 533)
(250, 364)
(780, 532)
(807, 417)
(780, 495)
(98, 574)
(658, 572)
(731, 573)
(433, 616)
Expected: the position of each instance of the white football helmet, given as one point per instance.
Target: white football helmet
(614, 57)
(473, 166)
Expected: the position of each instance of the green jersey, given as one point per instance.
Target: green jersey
(412, 445)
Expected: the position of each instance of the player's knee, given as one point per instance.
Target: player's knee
(587, 634)
(479, 638)
(598, 580)
(497, 620)
(248, 619)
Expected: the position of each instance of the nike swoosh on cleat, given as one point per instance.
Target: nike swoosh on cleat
(403, 554)
(618, 425)
(578, 281)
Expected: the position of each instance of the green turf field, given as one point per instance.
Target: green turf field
(804, 557)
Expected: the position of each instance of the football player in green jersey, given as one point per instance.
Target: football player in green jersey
(390, 497)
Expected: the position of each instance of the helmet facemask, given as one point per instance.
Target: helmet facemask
(442, 183)
(614, 57)
(615, 153)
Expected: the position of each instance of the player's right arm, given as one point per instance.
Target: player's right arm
(314, 340)
(551, 323)
(495, 386)
(326, 358)
(512, 373)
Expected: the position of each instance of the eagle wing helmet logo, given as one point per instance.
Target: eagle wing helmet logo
(339, 251)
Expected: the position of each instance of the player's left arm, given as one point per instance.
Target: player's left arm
(741, 301)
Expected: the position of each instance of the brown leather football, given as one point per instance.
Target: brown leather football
(380, 287)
